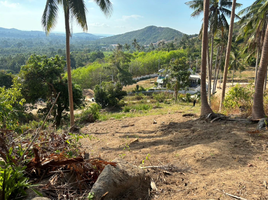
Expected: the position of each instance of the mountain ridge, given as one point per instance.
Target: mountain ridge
(145, 36)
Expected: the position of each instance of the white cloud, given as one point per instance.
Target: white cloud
(98, 25)
(125, 18)
(8, 4)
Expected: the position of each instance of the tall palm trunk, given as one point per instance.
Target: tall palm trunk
(234, 66)
(205, 108)
(215, 73)
(265, 82)
(228, 51)
(219, 68)
(68, 59)
(210, 69)
(257, 109)
(209, 76)
(257, 64)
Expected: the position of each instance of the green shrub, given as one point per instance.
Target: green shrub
(137, 107)
(238, 96)
(143, 107)
(91, 114)
(12, 180)
(108, 95)
(160, 97)
(126, 109)
(139, 96)
(139, 89)
(32, 125)
(188, 97)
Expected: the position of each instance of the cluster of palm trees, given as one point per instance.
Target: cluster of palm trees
(254, 33)
(77, 10)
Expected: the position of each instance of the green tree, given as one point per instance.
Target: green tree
(126, 46)
(136, 44)
(218, 11)
(179, 75)
(120, 61)
(5, 79)
(108, 94)
(76, 9)
(41, 78)
(11, 103)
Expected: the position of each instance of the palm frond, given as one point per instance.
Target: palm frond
(49, 15)
(105, 6)
(78, 10)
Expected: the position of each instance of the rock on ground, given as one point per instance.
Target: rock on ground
(125, 181)
(262, 124)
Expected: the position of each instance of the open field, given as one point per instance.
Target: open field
(219, 160)
(212, 158)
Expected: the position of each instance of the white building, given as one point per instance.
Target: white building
(194, 82)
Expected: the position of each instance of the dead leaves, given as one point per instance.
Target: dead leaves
(55, 158)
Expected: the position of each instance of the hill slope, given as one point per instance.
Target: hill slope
(15, 33)
(145, 36)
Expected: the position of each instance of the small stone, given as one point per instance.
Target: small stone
(41, 198)
(154, 122)
(262, 124)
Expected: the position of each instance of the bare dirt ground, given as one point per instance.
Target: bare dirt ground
(213, 158)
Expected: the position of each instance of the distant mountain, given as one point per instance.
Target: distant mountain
(15, 33)
(145, 36)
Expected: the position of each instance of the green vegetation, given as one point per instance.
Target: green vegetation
(11, 107)
(239, 96)
(12, 181)
(179, 75)
(147, 35)
(90, 115)
(41, 79)
(108, 94)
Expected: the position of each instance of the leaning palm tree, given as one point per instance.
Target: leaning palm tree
(76, 9)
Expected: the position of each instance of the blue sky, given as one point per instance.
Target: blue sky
(127, 15)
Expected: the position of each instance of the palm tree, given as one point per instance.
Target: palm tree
(236, 61)
(136, 44)
(205, 108)
(254, 23)
(126, 46)
(228, 50)
(218, 11)
(258, 110)
(76, 9)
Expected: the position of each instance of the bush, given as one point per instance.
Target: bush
(13, 182)
(91, 114)
(126, 109)
(137, 107)
(138, 89)
(139, 96)
(108, 95)
(160, 97)
(239, 96)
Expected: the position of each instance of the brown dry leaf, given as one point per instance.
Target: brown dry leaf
(254, 132)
